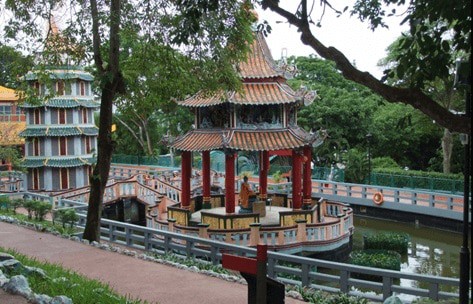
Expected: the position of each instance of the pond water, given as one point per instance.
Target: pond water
(431, 251)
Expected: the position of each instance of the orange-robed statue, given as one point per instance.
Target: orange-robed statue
(246, 193)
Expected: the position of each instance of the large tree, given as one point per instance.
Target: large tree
(207, 30)
(446, 21)
(439, 89)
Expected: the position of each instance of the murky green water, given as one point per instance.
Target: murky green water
(431, 251)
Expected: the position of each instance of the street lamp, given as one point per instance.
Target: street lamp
(368, 139)
(463, 80)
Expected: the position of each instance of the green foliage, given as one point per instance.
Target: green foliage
(341, 103)
(384, 259)
(60, 281)
(12, 64)
(437, 33)
(383, 162)
(29, 205)
(65, 216)
(16, 203)
(320, 297)
(277, 176)
(356, 169)
(393, 241)
(41, 209)
(430, 301)
(417, 173)
(5, 203)
(12, 155)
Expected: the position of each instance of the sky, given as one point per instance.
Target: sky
(348, 34)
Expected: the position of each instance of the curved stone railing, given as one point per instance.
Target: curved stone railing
(317, 236)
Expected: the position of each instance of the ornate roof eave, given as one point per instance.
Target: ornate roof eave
(64, 102)
(254, 93)
(57, 131)
(63, 74)
(57, 162)
(244, 140)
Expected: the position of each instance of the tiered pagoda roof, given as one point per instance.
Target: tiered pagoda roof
(55, 131)
(64, 102)
(263, 84)
(244, 140)
(57, 162)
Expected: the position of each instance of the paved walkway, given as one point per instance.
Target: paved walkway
(152, 282)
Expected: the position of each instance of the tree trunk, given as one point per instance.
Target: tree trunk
(447, 146)
(99, 177)
(111, 84)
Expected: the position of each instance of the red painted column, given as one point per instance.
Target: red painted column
(263, 175)
(186, 168)
(307, 182)
(296, 180)
(206, 178)
(230, 182)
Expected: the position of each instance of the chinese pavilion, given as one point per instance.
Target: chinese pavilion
(261, 118)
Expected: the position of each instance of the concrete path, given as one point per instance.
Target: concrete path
(152, 282)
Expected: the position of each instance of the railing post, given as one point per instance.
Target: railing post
(203, 230)
(434, 291)
(344, 274)
(128, 236)
(305, 275)
(387, 287)
(171, 222)
(301, 230)
(255, 234)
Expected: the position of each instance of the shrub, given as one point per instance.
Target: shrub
(385, 259)
(4, 203)
(29, 205)
(387, 241)
(41, 209)
(384, 162)
(65, 216)
(16, 203)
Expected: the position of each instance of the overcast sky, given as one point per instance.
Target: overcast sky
(347, 34)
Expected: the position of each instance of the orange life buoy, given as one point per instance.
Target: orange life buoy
(378, 198)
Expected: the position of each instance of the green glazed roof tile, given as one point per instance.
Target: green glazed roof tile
(59, 131)
(57, 162)
(65, 103)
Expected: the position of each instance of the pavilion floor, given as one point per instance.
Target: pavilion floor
(271, 218)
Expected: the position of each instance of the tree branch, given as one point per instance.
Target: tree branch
(96, 37)
(410, 96)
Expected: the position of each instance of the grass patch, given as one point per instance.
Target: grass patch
(60, 281)
(43, 224)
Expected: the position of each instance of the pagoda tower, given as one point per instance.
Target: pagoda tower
(261, 118)
(61, 136)
(60, 133)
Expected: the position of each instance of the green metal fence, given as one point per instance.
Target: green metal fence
(417, 182)
(162, 160)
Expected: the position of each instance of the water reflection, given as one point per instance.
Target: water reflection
(431, 251)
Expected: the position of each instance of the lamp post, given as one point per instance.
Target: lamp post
(368, 139)
(463, 79)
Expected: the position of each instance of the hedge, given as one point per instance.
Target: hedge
(394, 241)
(384, 259)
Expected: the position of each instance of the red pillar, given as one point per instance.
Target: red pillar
(296, 180)
(307, 182)
(186, 168)
(263, 175)
(230, 182)
(206, 178)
